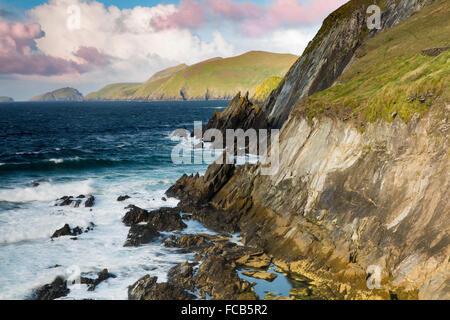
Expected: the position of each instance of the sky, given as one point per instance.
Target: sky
(87, 44)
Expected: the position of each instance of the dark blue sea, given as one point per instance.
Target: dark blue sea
(107, 149)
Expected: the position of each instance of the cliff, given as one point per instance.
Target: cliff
(212, 79)
(64, 94)
(361, 192)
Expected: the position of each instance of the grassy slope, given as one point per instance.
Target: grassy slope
(392, 76)
(60, 94)
(265, 88)
(221, 78)
(115, 91)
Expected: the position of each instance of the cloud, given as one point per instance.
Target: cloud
(253, 19)
(19, 54)
(126, 38)
(189, 15)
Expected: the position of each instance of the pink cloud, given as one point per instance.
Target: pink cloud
(252, 19)
(19, 55)
(235, 10)
(189, 15)
(290, 13)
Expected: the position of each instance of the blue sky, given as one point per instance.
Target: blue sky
(40, 51)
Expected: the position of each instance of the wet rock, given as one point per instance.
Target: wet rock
(67, 231)
(255, 261)
(298, 293)
(182, 276)
(56, 289)
(190, 242)
(166, 219)
(101, 276)
(147, 288)
(260, 275)
(135, 215)
(198, 190)
(218, 277)
(76, 202)
(90, 202)
(141, 234)
(164, 199)
(123, 198)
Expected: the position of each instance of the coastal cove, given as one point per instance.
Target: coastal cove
(124, 151)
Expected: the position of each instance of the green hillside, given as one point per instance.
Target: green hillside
(399, 72)
(64, 94)
(264, 89)
(212, 79)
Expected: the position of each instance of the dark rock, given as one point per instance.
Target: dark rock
(101, 276)
(197, 190)
(141, 234)
(218, 278)
(434, 52)
(67, 231)
(90, 202)
(182, 276)
(163, 199)
(123, 198)
(190, 242)
(166, 219)
(135, 215)
(81, 196)
(147, 288)
(57, 289)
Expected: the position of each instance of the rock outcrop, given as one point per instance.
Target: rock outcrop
(364, 211)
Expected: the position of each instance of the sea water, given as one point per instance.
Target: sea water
(107, 149)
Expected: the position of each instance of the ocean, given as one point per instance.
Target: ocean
(106, 149)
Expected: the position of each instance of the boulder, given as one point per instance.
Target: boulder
(166, 219)
(141, 234)
(90, 202)
(255, 261)
(67, 231)
(101, 276)
(182, 276)
(260, 275)
(147, 288)
(135, 215)
(56, 289)
(123, 198)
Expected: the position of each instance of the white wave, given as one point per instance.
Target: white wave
(46, 191)
(58, 160)
(1, 164)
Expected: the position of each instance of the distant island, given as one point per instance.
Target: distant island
(213, 79)
(64, 94)
(6, 99)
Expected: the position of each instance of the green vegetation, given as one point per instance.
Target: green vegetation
(64, 94)
(392, 77)
(212, 79)
(265, 88)
(116, 91)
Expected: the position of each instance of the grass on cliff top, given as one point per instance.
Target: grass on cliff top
(392, 76)
(264, 89)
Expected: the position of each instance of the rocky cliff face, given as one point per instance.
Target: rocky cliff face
(364, 213)
(329, 53)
